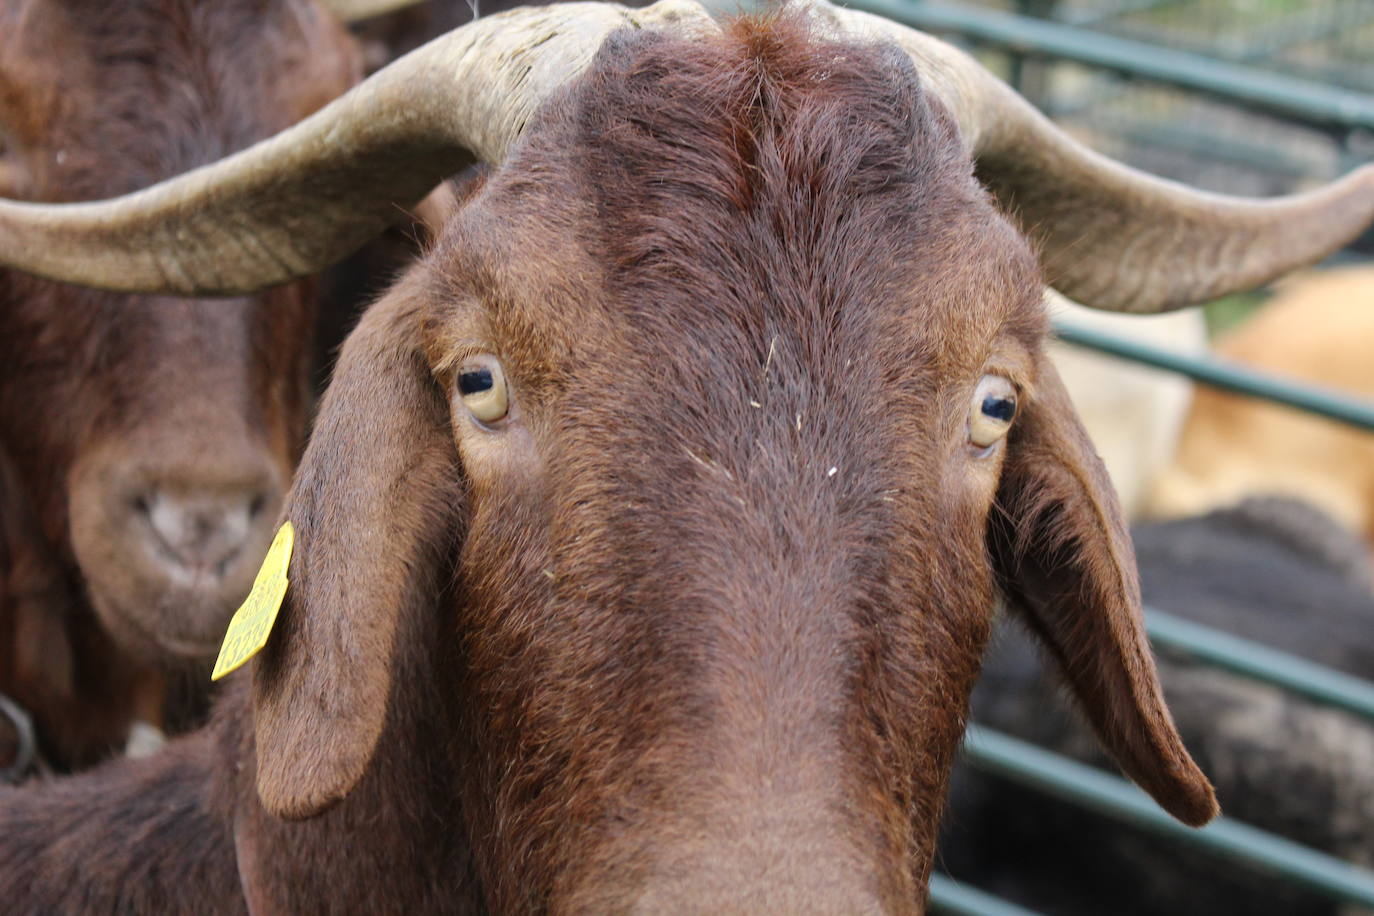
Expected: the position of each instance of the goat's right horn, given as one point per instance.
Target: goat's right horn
(1110, 236)
(295, 203)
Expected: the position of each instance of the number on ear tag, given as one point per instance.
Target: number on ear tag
(252, 622)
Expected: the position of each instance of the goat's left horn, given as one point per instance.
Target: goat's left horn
(297, 202)
(1110, 236)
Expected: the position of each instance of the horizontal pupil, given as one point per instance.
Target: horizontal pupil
(475, 381)
(999, 408)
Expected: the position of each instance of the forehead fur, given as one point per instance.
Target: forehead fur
(743, 289)
(772, 176)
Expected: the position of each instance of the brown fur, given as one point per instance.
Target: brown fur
(640, 649)
(100, 393)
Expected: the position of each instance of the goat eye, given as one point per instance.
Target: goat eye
(482, 386)
(992, 410)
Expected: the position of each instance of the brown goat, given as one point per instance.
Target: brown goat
(146, 441)
(649, 533)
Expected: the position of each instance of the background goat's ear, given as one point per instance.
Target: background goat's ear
(374, 504)
(1068, 569)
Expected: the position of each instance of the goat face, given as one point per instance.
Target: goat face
(691, 427)
(154, 435)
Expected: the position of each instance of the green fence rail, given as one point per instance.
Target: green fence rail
(1073, 782)
(1260, 662)
(1048, 772)
(1113, 797)
(1226, 375)
(1286, 97)
(1085, 786)
(951, 897)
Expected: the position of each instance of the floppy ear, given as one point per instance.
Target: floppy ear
(374, 504)
(1068, 569)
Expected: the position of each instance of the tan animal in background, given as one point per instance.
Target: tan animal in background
(1319, 328)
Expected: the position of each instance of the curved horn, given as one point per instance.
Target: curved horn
(356, 10)
(293, 204)
(1110, 236)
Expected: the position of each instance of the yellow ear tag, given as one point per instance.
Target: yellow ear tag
(252, 622)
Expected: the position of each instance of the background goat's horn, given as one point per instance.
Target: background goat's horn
(293, 204)
(1110, 236)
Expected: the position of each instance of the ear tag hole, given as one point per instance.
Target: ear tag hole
(252, 622)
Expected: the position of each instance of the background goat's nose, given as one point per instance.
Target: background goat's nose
(199, 535)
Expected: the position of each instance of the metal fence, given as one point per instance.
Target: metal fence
(1313, 91)
(1095, 790)
(1235, 96)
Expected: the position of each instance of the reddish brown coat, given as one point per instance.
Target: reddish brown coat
(106, 397)
(693, 629)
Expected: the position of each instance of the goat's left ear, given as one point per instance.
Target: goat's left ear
(1067, 568)
(375, 504)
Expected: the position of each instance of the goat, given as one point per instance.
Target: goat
(145, 441)
(1319, 328)
(647, 537)
(1274, 569)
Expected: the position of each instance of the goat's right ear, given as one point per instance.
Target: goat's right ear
(375, 505)
(1067, 568)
